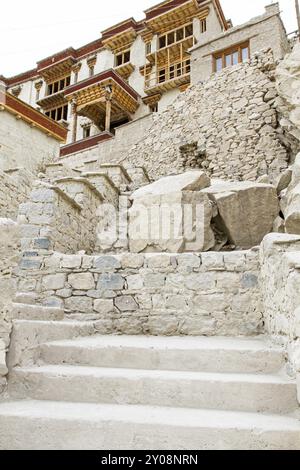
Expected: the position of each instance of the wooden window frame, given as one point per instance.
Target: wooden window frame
(175, 30)
(86, 133)
(230, 51)
(60, 84)
(122, 54)
(56, 111)
(203, 26)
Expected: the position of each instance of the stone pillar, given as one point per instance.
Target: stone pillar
(75, 118)
(76, 69)
(38, 86)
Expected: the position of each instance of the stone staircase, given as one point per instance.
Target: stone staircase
(71, 388)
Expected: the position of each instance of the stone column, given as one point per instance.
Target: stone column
(38, 86)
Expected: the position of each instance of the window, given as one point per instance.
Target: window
(123, 58)
(245, 54)
(58, 114)
(171, 38)
(154, 108)
(162, 42)
(189, 30)
(203, 26)
(233, 56)
(86, 132)
(175, 70)
(58, 85)
(161, 75)
(174, 36)
(148, 48)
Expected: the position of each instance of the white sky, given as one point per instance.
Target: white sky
(32, 30)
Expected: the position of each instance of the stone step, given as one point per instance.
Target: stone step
(28, 334)
(105, 186)
(35, 425)
(36, 312)
(240, 392)
(117, 174)
(201, 354)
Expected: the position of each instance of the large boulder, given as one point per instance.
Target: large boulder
(291, 210)
(172, 215)
(290, 200)
(246, 211)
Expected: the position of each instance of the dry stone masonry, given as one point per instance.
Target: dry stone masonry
(228, 126)
(157, 294)
(9, 257)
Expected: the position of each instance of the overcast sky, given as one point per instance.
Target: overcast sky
(32, 30)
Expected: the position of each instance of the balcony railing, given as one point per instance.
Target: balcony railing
(169, 76)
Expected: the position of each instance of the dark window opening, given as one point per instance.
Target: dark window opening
(86, 132)
(203, 26)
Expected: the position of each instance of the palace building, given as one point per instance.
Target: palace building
(139, 67)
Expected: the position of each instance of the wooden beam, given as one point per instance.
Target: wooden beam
(108, 113)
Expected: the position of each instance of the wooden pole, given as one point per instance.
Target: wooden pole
(75, 117)
(298, 16)
(108, 113)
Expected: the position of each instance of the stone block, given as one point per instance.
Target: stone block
(158, 261)
(132, 261)
(126, 303)
(249, 281)
(106, 263)
(53, 282)
(189, 260)
(71, 262)
(79, 305)
(110, 281)
(200, 281)
(28, 264)
(171, 215)
(135, 282)
(213, 261)
(82, 281)
(104, 306)
(42, 244)
(247, 211)
(3, 367)
(154, 280)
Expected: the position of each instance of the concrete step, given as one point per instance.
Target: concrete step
(36, 312)
(240, 392)
(27, 335)
(35, 425)
(201, 354)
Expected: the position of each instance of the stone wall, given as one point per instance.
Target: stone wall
(280, 281)
(227, 126)
(114, 149)
(22, 145)
(288, 86)
(185, 294)
(52, 220)
(15, 187)
(9, 254)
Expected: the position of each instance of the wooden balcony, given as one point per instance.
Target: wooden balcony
(168, 77)
(169, 52)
